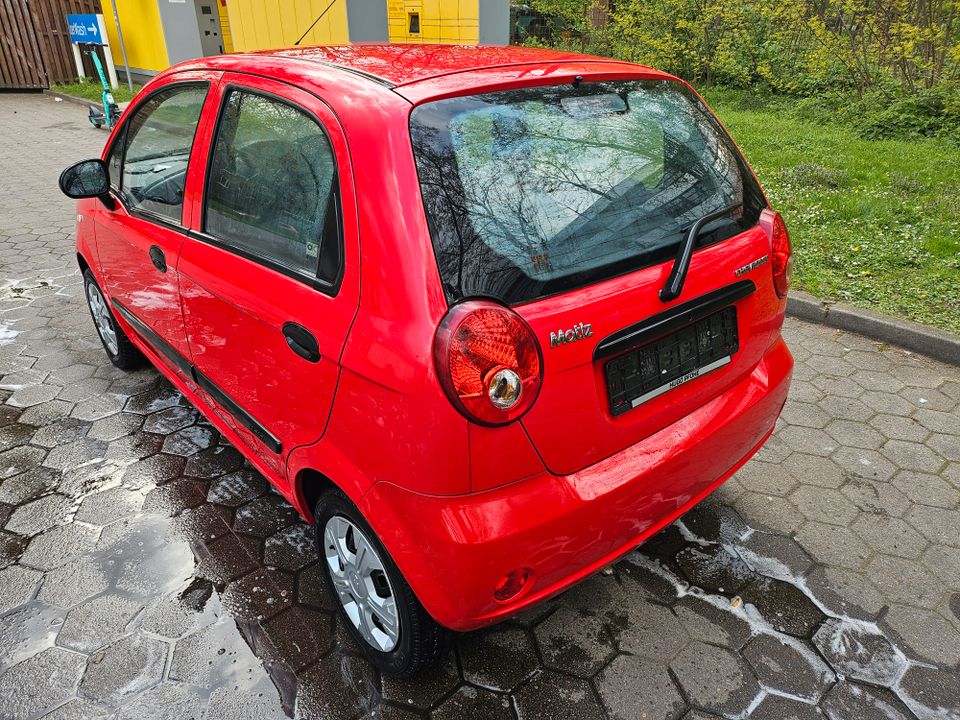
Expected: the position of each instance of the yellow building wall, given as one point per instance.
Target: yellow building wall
(142, 34)
(441, 21)
(225, 35)
(264, 24)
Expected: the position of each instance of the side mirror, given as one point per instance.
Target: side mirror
(86, 179)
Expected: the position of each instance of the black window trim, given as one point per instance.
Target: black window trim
(121, 137)
(327, 287)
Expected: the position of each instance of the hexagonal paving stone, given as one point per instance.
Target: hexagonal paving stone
(649, 630)
(190, 440)
(864, 463)
(715, 679)
(875, 497)
(890, 535)
(213, 462)
(425, 690)
(292, 548)
(470, 703)
(824, 505)
(498, 659)
(854, 434)
(574, 641)
(900, 427)
(73, 583)
(912, 456)
(844, 592)
(556, 696)
(849, 700)
(167, 701)
(104, 507)
(774, 707)
(769, 512)
(944, 562)
(936, 524)
(857, 652)
(264, 516)
(833, 545)
(788, 666)
(923, 635)
(17, 585)
(40, 683)
(39, 515)
(171, 419)
(337, 686)
(124, 668)
(18, 460)
(930, 693)
(633, 687)
(926, 489)
(905, 582)
(97, 622)
(711, 624)
(237, 488)
(57, 546)
(947, 446)
(784, 606)
(259, 595)
(28, 486)
(714, 568)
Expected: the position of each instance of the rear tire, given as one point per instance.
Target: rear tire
(116, 344)
(366, 586)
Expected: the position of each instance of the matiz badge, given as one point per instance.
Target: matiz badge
(740, 272)
(577, 332)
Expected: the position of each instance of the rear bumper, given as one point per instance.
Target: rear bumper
(454, 550)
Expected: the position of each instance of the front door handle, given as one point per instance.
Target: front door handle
(301, 341)
(158, 259)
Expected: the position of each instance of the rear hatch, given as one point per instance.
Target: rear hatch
(569, 203)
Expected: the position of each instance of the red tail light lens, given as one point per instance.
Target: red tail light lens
(781, 254)
(488, 362)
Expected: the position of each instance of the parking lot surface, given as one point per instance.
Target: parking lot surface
(147, 572)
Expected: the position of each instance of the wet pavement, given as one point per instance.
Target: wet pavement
(147, 572)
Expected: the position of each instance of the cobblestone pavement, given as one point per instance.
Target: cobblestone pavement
(147, 572)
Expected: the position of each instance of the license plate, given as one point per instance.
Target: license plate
(651, 370)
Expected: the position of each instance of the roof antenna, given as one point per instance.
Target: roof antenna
(332, 3)
(577, 80)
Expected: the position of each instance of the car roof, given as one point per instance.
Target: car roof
(403, 64)
(417, 72)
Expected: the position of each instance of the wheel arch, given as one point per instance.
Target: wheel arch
(309, 485)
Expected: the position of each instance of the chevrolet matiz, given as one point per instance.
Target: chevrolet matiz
(487, 317)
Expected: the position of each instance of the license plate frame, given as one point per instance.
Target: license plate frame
(646, 372)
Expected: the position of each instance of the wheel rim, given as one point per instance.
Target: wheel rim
(102, 319)
(361, 583)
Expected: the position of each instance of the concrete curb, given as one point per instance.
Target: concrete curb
(72, 98)
(930, 341)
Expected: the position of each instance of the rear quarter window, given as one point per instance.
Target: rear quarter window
(537, 191)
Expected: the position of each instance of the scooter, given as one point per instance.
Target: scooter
(110, 113)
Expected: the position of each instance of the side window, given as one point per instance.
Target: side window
(156, 150)
(272, 186)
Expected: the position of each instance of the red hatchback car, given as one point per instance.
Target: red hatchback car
(488, 317)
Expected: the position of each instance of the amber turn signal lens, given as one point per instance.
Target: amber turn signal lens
(511, 584)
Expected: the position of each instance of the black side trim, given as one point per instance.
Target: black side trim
(677, 317)
(168, 351)
(242, 416)
(182, 364)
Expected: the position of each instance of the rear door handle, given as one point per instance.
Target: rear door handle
(158, 259)
(301, 341)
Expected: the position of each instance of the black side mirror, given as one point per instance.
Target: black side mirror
(86, 179)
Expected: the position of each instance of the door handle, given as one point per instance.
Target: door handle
(158, 259)
(301, 341)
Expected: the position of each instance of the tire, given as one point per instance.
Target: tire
(419, 641)
(116, 344)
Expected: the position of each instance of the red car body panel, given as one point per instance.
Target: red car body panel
(565, 490)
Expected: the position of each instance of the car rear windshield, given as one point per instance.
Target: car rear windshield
(537, 191)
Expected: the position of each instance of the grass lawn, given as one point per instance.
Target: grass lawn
(91, 90)
(875, 223)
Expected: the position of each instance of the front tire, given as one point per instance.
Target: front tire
(376, 604)
(116, 344)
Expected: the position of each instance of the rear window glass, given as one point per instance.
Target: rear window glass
(537, 191)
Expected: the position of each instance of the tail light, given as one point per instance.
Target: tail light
(781, 255)
(488, 361)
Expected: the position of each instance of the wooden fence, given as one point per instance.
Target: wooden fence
(35, 43)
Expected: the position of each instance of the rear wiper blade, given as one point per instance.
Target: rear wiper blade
(674, 286)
